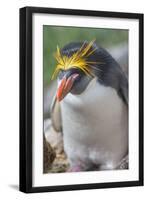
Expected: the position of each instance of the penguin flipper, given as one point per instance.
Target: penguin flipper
(123, 89)
(55, 112)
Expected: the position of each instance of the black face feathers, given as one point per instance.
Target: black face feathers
(103, 66)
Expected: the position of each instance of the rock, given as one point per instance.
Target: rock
(55, 139)
(48, 155)
(124, 163)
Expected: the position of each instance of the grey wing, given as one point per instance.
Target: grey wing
(123, 89)
(55, 111)
(120, 53)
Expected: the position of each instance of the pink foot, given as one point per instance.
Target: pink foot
(75, 169)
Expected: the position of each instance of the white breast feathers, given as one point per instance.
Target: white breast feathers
(95, 127)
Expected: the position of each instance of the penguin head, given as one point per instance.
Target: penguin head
(75, 68)
(79, 62)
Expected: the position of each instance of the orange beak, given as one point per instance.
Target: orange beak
(65, 86)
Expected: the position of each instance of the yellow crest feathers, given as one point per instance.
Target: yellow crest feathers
(77, 60)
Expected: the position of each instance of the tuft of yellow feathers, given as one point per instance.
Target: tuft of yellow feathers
(77, 60)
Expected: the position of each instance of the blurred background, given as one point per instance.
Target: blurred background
(113, 40)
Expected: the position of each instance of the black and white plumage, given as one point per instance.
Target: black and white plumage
(94, 111)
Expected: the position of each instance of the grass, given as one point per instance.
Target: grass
(53, 36)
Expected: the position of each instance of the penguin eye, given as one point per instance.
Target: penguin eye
(61, 74)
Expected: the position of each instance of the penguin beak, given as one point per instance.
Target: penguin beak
(66, 86)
